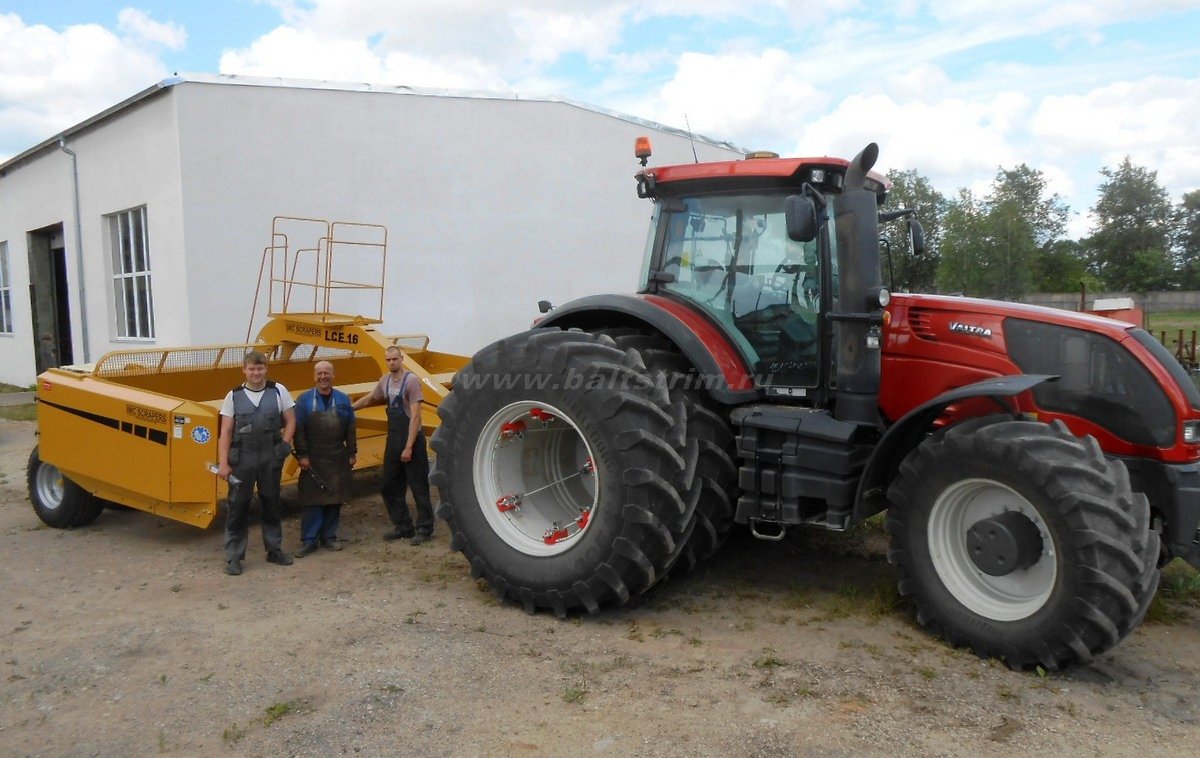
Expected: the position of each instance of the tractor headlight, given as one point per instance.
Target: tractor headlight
(1191, 432)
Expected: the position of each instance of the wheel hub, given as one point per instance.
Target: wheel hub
(535, 477)
(1002, 544)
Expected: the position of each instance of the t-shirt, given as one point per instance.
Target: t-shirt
(386, 389)
(285, 399)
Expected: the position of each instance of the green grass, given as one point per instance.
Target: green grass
(17, 412)
(1172, 321)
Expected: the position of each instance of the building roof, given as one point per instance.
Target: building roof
(258, 81)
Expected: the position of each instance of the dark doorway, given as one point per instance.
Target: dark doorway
(48, 296)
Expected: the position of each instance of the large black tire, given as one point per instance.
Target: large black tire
(709, 430)
(58, 501)
(583, 535)
(1092, 571)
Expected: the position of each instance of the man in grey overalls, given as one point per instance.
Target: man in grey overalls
(405, 457)
(257, 425)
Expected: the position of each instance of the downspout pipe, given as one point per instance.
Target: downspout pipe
(83, 321)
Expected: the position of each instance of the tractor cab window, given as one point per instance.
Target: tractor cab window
(731, 256)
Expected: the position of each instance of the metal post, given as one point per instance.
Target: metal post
(83, 321)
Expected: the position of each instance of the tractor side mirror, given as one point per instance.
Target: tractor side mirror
(916, 237)
(800, 213)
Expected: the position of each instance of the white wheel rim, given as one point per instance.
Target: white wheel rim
(1011, 597)
(50, 487)
(535, 479)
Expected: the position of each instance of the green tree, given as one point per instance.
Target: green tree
(1025, 188)
(1062, 267)
(914, 273)
(1188, 258)
(995, 247)
(958, 268)
(1135, 223)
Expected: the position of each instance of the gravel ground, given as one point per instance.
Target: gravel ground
(125, 638)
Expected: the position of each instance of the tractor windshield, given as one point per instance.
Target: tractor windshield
(731, 256)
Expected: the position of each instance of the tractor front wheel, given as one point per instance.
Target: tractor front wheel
(1021, 541)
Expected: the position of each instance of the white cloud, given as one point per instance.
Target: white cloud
(1153, 121)
(304, 54)
(50, 80)
(138, 25)
(756, 99)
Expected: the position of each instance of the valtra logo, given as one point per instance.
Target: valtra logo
(971, 329)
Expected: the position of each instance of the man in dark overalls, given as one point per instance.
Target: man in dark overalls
(327, 446)
(405, 457)
(257, 424)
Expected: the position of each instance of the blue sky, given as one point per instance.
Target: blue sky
(954, 89)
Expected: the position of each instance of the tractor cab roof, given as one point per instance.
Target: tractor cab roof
(825, 173)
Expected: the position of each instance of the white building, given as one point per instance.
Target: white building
(145, 225)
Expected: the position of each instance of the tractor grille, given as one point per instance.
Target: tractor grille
(921, 324)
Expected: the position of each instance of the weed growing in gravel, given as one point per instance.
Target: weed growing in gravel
(232, 734)
(927, 673)
(575, 693)
(279, 710)
(1178, 590)
(634, 633)
(768, 660)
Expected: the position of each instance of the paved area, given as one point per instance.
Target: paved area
(16, 398)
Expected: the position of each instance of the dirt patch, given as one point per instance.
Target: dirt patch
(126, 637)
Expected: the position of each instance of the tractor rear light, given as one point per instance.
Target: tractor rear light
(1191, 432)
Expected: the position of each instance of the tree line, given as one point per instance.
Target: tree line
(1012, 241)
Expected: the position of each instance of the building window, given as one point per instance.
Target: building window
(131, 273)
(6, 322)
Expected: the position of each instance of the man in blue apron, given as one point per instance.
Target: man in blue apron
(257, 424)
(327, 446)
(405, 457)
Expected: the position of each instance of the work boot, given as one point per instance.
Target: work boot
(420, 538)
(398, 534)
(307, 548)
(281, 558)
(333, 544)
(234, 567)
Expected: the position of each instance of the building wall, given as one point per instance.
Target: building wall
(489, 204)
(129, 160)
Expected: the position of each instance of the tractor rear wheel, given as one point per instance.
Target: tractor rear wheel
(58, 501)
(1021, 541)
(560, 466)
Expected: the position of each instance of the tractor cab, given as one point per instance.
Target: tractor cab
(730, 256)
(753, 245)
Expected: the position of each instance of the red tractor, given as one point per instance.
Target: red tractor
(1037, 466)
